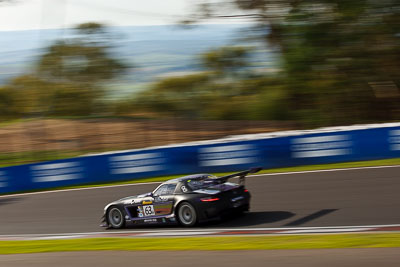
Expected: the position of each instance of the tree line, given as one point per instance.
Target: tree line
(339, 64)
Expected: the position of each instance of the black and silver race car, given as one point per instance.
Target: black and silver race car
(186, 200)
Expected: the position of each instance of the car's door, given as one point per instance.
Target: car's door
(164, 199)
(146, 207)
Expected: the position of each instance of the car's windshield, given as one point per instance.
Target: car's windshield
(201, 183)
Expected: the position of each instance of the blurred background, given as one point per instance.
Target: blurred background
(89, 76)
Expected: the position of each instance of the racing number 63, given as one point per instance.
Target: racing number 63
(148, 210)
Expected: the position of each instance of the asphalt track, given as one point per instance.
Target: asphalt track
(367, 257)
(367, 196)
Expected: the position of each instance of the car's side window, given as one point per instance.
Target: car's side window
(166, 189)
(170, 189)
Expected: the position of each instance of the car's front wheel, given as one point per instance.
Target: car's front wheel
(187, 215)
(115, 218)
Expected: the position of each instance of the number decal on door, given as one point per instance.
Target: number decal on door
(148, 210)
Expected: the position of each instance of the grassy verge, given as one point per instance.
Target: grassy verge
(206, 243)
(13, 159)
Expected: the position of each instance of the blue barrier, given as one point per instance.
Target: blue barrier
(292, 149)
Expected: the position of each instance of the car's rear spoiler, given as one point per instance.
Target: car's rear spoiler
(242, 175)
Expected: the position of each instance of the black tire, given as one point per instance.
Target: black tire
(115, 218)
(187, 215)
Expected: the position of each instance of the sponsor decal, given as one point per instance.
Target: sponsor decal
(144, 202)
(163, 209)
(136, 163)
(321, 146)
(140, 212)
(394, 140)
(3, 179)
(150, 220)
(162, 199)
(228, 155)
(56, 172)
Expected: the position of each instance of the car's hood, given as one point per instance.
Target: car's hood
(125, 199)
(129, 200)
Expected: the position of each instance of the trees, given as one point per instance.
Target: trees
(206, 94)
(177, 96)
(79, 66)
(84, 59)
(227, 89)
(8, 108)
(337, 55)
(226, 61)
(30, 95)
(67, 79)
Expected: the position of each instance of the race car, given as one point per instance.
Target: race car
(186, 201)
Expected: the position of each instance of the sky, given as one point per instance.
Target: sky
(50, 14)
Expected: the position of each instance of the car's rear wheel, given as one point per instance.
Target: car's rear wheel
(187, 214)
(115, 218)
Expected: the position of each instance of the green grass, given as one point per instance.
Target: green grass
(18, 158)
(365, 240)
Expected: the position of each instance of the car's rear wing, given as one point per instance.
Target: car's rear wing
(242, 175)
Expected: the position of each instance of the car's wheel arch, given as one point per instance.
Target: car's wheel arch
(120, 207)
(195, 210)
(182, 200)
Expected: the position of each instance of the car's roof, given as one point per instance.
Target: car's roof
(188, 177)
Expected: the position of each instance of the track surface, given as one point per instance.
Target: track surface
(335, 198)
(369, 257)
